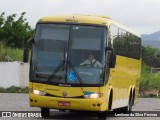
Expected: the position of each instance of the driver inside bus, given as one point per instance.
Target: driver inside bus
(91, 61)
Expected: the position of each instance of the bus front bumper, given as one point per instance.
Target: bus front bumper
(68, 103)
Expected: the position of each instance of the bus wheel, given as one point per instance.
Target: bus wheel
(44, 112)
(102, 115)
(128, 108)
(130, 104)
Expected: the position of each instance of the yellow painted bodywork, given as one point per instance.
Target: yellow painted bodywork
(83, 19)
(72, 93)
(123, 78)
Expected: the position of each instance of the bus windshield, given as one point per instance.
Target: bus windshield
(68, 54)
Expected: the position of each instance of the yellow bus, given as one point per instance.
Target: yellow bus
(85, 63)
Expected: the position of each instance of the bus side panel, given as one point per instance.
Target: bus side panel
(124, 76)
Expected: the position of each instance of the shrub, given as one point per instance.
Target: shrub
(2, 89)
(14, 89)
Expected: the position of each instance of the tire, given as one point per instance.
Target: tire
(102, 115)
(127, 109)
(130, 104)
(44, 112)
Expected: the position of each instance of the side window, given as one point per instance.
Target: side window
(125, 43)
(122, 42)
(135, 46)
(114, 37)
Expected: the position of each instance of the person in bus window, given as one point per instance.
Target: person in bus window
(91, 61)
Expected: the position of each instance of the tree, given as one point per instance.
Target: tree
(151, 56)
(1, 25)
(14, 33)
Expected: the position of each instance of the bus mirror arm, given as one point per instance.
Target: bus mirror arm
(108, 49)
(26, 50)
(112, 57)
(30, 42)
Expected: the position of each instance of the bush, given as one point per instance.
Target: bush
(149, 81)
(14, 89)
(2, 89)
(23, 90)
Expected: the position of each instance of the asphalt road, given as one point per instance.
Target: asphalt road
(20, 102)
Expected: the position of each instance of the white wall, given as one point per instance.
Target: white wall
(14, 73)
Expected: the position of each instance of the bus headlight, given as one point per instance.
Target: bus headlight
(93, 95)
(37, 92)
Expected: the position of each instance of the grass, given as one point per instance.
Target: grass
(149, 81)
(10, 54)
(14, 89)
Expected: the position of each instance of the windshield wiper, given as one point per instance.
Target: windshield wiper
(61, 67)
(58, 68)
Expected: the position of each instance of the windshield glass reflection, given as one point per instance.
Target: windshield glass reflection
(68, 54)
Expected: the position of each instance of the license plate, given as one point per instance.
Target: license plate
(64, 103)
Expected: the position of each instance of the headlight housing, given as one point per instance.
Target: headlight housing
(93, 95)
(37, 92)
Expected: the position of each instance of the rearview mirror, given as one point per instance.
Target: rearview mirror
(26, 50)
(112, 57)
(112, 62)
(25, 55)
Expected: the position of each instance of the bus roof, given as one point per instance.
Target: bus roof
(85, 19)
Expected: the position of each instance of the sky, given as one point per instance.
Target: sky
(139, 15)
